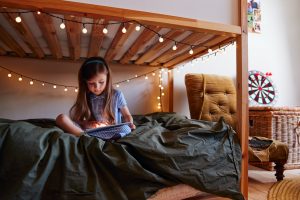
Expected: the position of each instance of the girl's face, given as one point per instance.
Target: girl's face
(97, 84)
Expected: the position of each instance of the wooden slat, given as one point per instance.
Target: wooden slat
(158, 46)
(74, 36)
(96, 39)
(242, 94)
(140, 42)
(208, 41)
(24, 31)
(10, 42)
(194, 38)
(2, 51)
(141, 16)
(48, 30)
(118, 41)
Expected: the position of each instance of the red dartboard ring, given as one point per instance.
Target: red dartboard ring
(261, 89)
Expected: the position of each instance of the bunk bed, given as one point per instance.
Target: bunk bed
(219, 35)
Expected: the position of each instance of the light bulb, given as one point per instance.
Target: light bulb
(76, 90)
(209, 50)
(128, 80)
(18, 19)
(66, 89)
(118, 85)
(153, 74)
(43, 84)
(62, 25)
(146, 77)
(9, 75)
(161, 39)
(54, 86)
(138, 28)
(174, 47)
(38, 12)
(84, 30)
(162, 94)
(124, 30)
(105, 31)
(20, 79)
(191, 51)
(136, 76)
(158, 97)
(31, 82)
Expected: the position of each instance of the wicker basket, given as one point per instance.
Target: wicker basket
(282, 124)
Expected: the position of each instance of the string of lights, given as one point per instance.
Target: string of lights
(55, 85)
(161, 38)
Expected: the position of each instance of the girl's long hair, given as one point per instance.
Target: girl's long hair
(81, 111)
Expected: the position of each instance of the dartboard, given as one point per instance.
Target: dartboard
(261, 89)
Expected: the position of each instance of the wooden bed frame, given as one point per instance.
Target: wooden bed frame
(238, 32)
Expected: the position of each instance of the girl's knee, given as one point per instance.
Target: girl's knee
(62, 118)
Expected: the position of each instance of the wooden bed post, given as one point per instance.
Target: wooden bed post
(242, 93)
(170, 88)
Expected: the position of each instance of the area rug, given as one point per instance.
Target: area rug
(286, 189)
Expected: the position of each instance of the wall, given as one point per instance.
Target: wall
(19, 100)
(225, 11)
(275, 50)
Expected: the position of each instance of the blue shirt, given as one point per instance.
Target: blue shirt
(97, 105)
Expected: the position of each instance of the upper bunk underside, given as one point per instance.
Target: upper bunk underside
(39, 34)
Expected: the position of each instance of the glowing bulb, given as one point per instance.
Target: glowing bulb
(174, 47)
(138, 28)
(136, 76)
(191, 51)
(146, 77)
(161, 39)
(162, 87)
(18, 19)
(128, 80)
(153, 74)
(105, 31)
(162, 94)
(84, 30)
(38, 12)
(66, 89)
(31, 82)
(209, 50)
(20, 79)
(169, 71)
(76, 90)
(43, 84)
(124, 30)
(159, 104)
(9, 75)
(118, 85)
(54, 86)
(159, 85)
(158, 97)
(62, 25)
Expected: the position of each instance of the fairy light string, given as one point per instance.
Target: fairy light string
(161, 37)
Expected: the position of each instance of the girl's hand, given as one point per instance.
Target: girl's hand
(132, 126)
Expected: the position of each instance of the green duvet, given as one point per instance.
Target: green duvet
(40, 161)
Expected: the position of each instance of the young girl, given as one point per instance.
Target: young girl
(97, 103)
